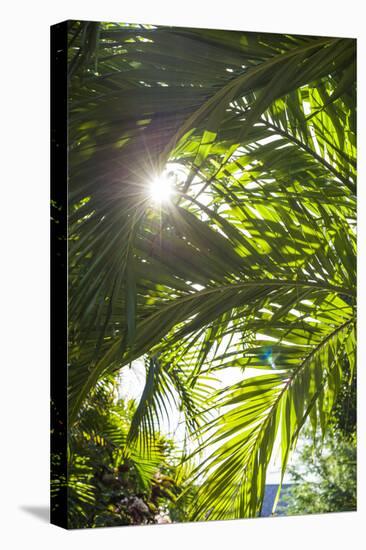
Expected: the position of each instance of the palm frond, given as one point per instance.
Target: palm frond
(251, 265)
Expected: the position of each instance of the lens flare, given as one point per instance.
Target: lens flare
(161, 189)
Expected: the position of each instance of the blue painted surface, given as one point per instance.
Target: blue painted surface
(269, 497)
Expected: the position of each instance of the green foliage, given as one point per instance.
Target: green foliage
(111, 482)
(327, 481)
(344, 413)
(250, 265)
(325, 472)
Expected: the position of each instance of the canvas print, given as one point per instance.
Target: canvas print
(203, 274)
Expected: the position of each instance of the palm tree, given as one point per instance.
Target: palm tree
(251, 261)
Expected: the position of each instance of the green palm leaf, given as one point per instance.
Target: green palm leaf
(251, 265)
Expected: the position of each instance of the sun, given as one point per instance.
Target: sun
(161, 188)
